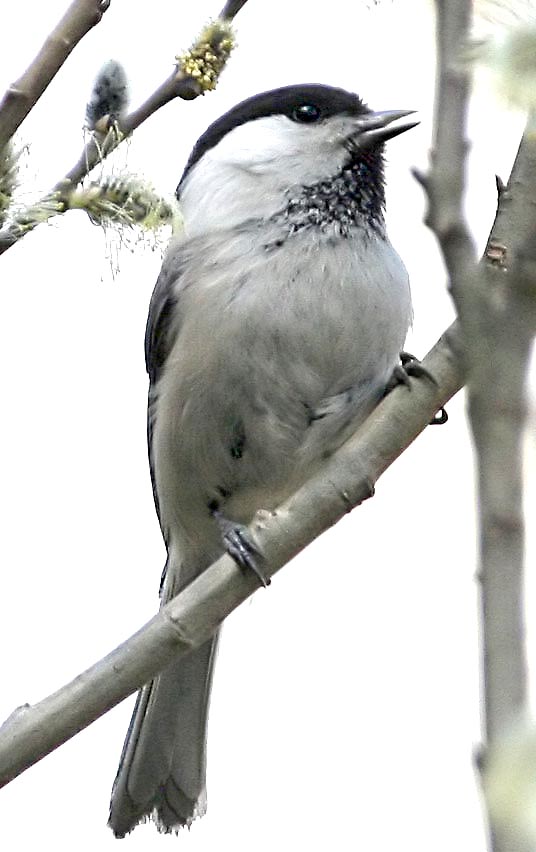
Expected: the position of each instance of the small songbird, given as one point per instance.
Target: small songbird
(274, 328)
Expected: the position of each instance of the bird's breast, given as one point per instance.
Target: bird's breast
(283, 345)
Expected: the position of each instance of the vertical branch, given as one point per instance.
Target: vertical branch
(452, 94)
(446, 180)
(496, 302)
(497, 408)
(497, 328)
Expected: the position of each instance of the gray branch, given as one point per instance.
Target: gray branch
(496, 302)
(189, 619)
(497, 407)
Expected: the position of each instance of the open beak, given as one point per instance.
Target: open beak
(377, 127)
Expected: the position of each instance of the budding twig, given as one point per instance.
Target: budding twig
(203, 64)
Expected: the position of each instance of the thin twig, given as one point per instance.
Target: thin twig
(178, 85)
(22, 95)
(189, 619)
(445, 182)
(231, 9)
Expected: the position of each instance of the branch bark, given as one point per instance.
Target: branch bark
(189, 619)
(445, 181)
(496, 302)
(21, 96)
(497, 408)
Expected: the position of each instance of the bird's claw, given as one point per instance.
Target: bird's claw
(439, 418)
(399, 376)
(240, 545)
(410, 366)
(413, 367)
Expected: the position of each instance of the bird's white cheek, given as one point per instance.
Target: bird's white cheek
(251, 171)
(218, 195)
(283, 149)
(257, 144)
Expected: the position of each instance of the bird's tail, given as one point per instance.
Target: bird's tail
(161, 773)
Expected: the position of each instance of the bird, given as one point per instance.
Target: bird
(275, 325)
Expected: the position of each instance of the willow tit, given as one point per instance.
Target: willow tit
(275, 325)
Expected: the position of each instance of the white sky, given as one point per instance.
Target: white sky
(345, 706)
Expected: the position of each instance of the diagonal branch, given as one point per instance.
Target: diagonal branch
(190, 618)
(22, 95)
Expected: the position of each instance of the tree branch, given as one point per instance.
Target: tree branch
(22, 95)
(189, 619)
(445, 181)
(496, 301)
(231, 9)
(181, 84)
(497, 408)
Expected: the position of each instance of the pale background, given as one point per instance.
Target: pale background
(345, 708)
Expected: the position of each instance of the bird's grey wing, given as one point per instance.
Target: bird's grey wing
(161, 331)
(163, 320)
(161, 772)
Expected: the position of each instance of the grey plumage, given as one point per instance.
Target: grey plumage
(276, 322)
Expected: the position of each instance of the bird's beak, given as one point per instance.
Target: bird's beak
(377, 127)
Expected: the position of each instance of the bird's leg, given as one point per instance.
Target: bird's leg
(239, 544)
(410, 366)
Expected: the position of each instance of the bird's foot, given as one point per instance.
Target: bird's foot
(411, 367)
(240, 545)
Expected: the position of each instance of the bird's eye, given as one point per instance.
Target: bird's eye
(306, 113)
